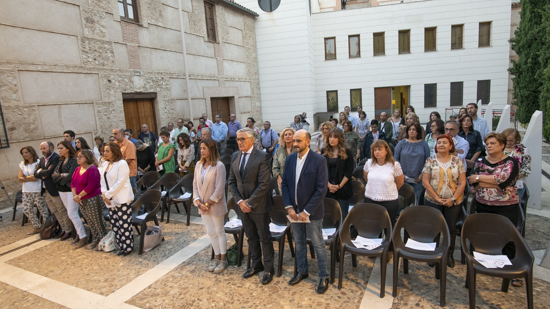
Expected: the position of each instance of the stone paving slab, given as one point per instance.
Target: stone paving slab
(11, 297)
(537, 233)
(191, 285)
(100, 272)
(420, 289)
(12, 231)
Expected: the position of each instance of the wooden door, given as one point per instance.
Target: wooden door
(382, 101)
(221, 106)
(138, 112)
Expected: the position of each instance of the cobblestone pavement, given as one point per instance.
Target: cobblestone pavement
(11, 297)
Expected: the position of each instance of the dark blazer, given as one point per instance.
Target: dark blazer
(388, 130)
(66, 167)
(369, 139)
(46, 174)
(254, 184)
(474, 139)
(312, 186)
(344, 168)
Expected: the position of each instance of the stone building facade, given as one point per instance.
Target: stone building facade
(70, 64)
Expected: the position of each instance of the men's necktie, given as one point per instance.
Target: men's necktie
(243, 162)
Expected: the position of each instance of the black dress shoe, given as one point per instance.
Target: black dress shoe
(268, 277)
(323, 286)
(451, 261)
(299, 277)
(252, 271)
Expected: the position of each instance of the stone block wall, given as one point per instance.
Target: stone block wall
(64, 64)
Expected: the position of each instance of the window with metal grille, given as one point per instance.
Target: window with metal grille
(332, 101)
(210, 21)
(405, 41)
(457, 90)
(430, 95)
(484, 34)
(378, 43)
(429, 39)
(456, 36)
(484, 91)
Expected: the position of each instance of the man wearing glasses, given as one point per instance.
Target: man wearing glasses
(462, 146)
(249, 179)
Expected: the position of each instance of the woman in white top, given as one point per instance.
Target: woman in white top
(186, 154)
(31, 188)
(209, 197)
(384, 177)
(396, 121)
(117, 195)
(98, 142)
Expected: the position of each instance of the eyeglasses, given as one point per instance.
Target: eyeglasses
(450, 129)
(241, 139)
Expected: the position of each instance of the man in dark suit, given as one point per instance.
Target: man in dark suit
(385, 126)
(304, 186)
(249, 179)
(372, 136)
(44, 171)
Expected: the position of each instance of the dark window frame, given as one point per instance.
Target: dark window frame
(325, 47)
(434, 95)
(358, 36)
(328, 104)
(408, 32)
(383, 34)
(214, 37)
(461, 37)
(481, 96)
(488, 34)
(351, 98)
(457, 99)
(134, 8)
(434, 39)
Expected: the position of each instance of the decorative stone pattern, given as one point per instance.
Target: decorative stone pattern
(97, 52)
(94, 23)
(153, 11)
(22, 122)
(9, 89)
(196, 18)
(103, 5)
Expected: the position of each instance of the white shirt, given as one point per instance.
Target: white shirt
(299, 166)
(28, 170)
(249, 151)
(118, 177)
(481, 126)
(381, 184)
(97, 154)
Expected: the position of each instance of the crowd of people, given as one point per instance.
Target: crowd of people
(441, 161)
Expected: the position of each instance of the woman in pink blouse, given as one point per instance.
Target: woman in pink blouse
(86, 188)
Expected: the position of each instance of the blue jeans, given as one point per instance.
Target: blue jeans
(133, 182)
(344, 206)
(315, 233)
(417, 190)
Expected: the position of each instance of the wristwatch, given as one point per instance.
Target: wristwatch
(477, 178)
(454, 200)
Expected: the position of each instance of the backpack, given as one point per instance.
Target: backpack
(50, 228)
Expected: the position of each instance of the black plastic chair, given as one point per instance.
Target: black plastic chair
(237, 232)
(278, 217)
(491, 239)
(183, 186)
(233, 147)
(18, 199)
(165, 183)
(332, 219)
(274, 186)
(226, 159)
(407, 192)
(362, 162)
(147, 180)
(358, 192)
(150, 199)
(227, 151)
(423, 224)
(358, 174)
(371, 221)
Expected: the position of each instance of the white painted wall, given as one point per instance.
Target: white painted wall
(287, 74)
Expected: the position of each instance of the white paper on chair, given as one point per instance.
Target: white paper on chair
(142, 217)
(186, 195)
(294, 221)
(233, 223)
(422, 246)
(162, 193)
(367, 243)
(276, 228)
(328, 232)
(350, 208)
(492, 261)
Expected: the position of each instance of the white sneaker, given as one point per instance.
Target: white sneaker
(222, 265)
(213, 265)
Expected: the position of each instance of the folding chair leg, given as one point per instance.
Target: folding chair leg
(142, 238)
(341, 267)
(437, 270)
(281, 254)
(353, 260)
(240, 242)
(168, 204)
(332, 260)
(395, 272)
(290, 244)
(472, 287)
(443, 284)
(405, 266)
(505, 285)
(162, 206)
(188, 206)
(529, 289)
(177, 208)
(383, 267)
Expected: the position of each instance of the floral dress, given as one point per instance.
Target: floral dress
(505, 173)
(521, 154)
(444, 177)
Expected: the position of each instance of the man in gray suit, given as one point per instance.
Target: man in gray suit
(249, 179)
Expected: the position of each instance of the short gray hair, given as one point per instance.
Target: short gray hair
(206, 129)
(451, 122)
(139, 144)
(249, 132)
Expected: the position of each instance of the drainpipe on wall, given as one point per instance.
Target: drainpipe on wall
(185, 62)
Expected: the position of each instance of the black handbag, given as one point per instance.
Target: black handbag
(51, 228)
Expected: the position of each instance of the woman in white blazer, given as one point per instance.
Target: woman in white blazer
(209, 197)
(117, 195)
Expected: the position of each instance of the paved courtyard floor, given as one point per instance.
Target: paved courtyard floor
(51, 274)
